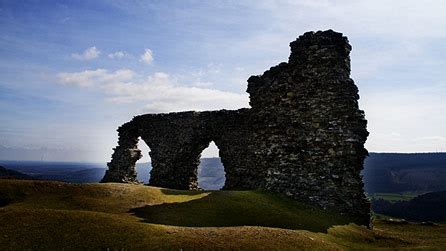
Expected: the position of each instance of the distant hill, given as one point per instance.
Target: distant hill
(383, 172)
(12, 174)
(60, 171)
(211, 171)
(426, 207)
(400, 172)
(211, 174)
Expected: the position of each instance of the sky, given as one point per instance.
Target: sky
(71, 72)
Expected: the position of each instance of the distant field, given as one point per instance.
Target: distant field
(394, 196)
(54, 215)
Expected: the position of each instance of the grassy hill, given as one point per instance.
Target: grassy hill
(55, 215)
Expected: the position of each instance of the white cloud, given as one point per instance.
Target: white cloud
(88, 54)
(119, 55)
(158, 92)
(203, 76)
(203, 84)
(90, 78)
(147, 57)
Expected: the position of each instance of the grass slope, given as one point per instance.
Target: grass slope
(54, 215)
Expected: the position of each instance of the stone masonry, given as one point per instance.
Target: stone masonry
(302, 137)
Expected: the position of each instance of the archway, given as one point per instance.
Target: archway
(211, 172)
(143, 166)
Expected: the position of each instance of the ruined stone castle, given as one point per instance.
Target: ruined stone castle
(302, 137)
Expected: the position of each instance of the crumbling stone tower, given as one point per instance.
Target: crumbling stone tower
(303, 137)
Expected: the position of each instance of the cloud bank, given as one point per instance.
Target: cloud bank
(158, 92)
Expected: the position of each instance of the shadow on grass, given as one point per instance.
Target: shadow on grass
(240, 208)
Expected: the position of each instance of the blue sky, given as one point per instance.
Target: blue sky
(72, 71)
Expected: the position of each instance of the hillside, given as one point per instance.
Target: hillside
(403, 172)
(426, 207)
(210, 171)
(12, 174)
(54, 215)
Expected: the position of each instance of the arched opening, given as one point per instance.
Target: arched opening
(211, 173)
(143, 165)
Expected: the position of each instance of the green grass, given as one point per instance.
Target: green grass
(53, 215)
(394, 196)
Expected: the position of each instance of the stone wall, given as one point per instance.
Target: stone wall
(310, 132)
(176, 141)
(303, 137)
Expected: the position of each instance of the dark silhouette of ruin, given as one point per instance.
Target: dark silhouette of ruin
(303, 136)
